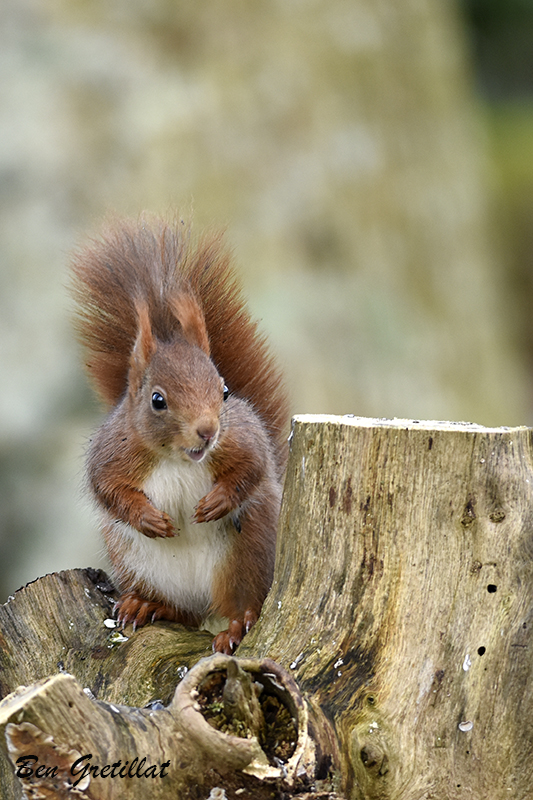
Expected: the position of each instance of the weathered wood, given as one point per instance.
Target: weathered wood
(402, 605)
(57, 624)
(403, 602)
(56, 737)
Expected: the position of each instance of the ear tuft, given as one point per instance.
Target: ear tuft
(189, 315)
(144, 347)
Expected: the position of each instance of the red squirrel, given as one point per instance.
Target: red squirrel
(187, 467)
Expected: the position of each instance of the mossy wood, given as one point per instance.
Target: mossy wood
(401, 609)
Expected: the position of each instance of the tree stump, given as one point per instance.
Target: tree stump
(397, 635)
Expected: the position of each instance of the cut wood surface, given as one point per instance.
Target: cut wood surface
(402, 607)
(58, 624)
(64, 744)
(402, 602)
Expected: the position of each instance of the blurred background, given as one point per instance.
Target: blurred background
(371, 162)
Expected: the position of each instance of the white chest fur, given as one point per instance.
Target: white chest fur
(180, 569)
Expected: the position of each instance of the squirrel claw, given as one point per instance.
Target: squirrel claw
(250, 618)
(215, 505)
(156, 524)
(134, 609)
(228, 641)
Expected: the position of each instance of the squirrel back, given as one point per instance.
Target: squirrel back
(153, 263)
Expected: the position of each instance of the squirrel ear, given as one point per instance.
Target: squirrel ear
(144, 347)
(190, 317)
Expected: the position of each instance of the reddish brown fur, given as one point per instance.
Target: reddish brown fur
(192, 321)
(110, 275)
(148, 300)
(144, 347)
(121, 465)
(238, 465)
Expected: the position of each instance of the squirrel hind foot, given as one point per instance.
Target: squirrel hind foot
(135, 609)
(228, 641)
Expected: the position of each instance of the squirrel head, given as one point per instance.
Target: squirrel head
(175, 393)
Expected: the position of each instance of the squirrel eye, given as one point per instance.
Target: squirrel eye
(226, 392)
(158, 401)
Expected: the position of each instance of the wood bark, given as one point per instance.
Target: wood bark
(401, 608)
(55, 627)
(56, 735)
(403, 602)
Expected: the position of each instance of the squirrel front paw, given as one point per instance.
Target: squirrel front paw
(216, 504)
(156, 524)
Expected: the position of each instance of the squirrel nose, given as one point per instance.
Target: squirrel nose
(207, 431)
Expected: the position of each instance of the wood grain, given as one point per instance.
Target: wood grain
(402, 607)
(403, 602)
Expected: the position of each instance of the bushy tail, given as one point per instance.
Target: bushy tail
(154, 261)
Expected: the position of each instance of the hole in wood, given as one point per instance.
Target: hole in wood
(491, 588)
(481, 651)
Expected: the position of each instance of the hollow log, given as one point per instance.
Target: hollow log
(397, 636)
(64, 744)
(55, 730)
